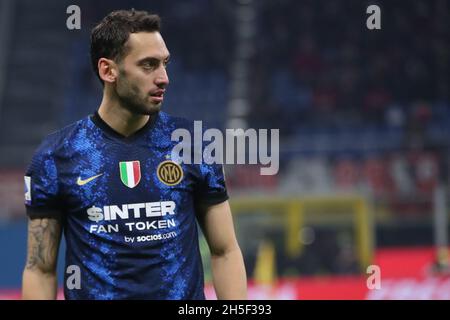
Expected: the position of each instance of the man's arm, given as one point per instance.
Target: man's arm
(39, 276)
(230, 280)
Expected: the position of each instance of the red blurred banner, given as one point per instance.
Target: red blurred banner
(406, 273)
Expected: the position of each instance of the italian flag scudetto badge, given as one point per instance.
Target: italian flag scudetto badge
(130, 173)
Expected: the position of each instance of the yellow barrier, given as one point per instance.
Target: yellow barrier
(295, 210)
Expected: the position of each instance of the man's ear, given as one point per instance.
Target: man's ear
(107, 70)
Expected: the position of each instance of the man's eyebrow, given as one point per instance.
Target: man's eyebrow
(152, 60)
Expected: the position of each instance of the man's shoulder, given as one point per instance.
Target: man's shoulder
(169, 118)
(175, 122)
(57, 139)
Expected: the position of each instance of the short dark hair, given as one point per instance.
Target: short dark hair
(109, 36)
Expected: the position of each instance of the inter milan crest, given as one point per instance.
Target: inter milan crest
(169, 173)
(130, 173)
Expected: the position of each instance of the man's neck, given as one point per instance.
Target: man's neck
(120, 119)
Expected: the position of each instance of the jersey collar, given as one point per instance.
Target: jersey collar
(99, 122)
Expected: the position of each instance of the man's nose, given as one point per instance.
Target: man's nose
(162, 79)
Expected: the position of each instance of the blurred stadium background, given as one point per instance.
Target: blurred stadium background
(364, 130)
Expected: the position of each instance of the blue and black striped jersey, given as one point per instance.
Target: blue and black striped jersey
(128, 209)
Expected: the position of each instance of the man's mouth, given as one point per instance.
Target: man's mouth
(158, 95)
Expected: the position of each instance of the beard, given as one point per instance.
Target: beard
(133, 99)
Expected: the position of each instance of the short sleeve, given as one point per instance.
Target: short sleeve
(212, 188)
(41, 186)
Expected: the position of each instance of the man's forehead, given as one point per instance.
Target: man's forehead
(148, 44)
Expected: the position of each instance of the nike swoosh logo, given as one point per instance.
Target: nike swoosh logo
(81, 182)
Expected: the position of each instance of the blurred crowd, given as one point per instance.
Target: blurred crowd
(318, 65)
(357, 109)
